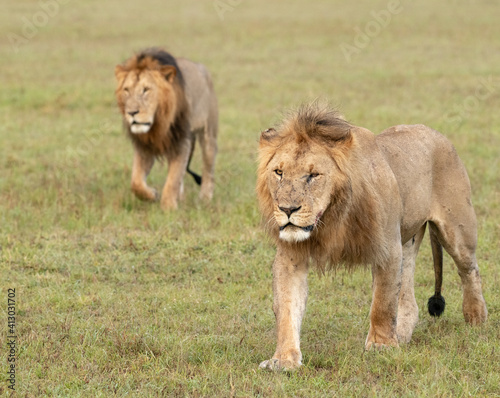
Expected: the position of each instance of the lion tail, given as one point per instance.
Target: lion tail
(196, 177)
(436, 303)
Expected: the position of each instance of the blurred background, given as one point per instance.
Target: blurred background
(122, 298)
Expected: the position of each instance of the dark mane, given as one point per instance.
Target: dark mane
(171, 125)
(163, 58)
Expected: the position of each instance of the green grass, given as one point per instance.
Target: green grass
(117, 298)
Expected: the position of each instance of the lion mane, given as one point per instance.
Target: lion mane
(351, 230)
(171, 119)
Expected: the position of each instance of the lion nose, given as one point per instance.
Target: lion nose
(289, 210)
(132, 113)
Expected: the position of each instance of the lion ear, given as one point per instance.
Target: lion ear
(120, 73)
(268, 135)
(341, 135)
(169, 72)
(335, 135)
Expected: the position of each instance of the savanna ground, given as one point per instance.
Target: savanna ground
(116, 298)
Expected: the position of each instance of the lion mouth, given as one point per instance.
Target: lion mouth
(139, 128)
(134, 123)
(309, 228)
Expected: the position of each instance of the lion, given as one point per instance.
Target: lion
(167, 103)
(333, 194)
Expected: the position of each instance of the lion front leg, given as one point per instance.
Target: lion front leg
(384, 308)
(141, 167)
(173, 189)
(290, 296)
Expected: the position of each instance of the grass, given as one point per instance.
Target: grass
(117, 298)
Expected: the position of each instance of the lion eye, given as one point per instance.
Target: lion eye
(126, 89)
(145, 90)
(279, 172)
(311, 176)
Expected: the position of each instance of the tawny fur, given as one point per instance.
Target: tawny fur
(334, 194)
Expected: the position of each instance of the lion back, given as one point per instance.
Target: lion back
(429, 173)
(200, 96)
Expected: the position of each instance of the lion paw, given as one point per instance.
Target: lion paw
(474, 309)
(169, 205)
(153, 195)
(279, 365)
(372, 345)
(146, 194)
(477, 317)
(375, 346)
(206, 193)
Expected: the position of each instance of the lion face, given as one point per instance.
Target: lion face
(139, 94)
(300, 183)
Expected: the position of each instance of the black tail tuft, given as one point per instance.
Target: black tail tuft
(436, 305)
(196, 177)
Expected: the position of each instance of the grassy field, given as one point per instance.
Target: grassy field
(116, 298)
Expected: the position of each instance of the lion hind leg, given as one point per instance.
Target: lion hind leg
(460, 243)
(407, 305)
(208, 144)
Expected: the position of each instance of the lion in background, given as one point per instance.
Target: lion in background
(167, 103)
(335, 194)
